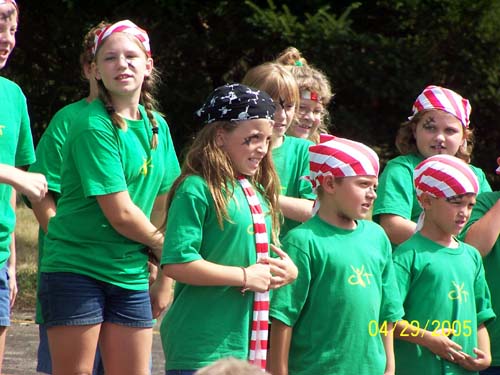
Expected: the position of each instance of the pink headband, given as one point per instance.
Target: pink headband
(444, 176)
(340, 157)
(8, 2)
(310, 95)
(122, 27)
(436, 97)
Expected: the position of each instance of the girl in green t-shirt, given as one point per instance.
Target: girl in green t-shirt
(315, 95)
(290, 154)
(16, 153)
(118, 163)
(439, 125)
(222, 213)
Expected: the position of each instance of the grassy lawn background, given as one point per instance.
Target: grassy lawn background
(27, 258)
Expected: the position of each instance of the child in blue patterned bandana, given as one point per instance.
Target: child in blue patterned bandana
(222, 214)
(118, 164)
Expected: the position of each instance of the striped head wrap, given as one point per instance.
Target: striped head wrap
(125, 26)
(340, 157)
(236, 102)
(436, 97)
(444, 176)
(260, 324)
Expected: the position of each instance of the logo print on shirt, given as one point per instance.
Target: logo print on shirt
(250, 229)
(146, 164)
(359, 277)
(458, 293)
(1, 129)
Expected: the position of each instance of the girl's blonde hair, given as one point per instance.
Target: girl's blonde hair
(209, 161)
(147, 99)
(274, 79)
(407, 144)
(309, 79)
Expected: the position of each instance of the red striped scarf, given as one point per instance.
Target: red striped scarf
(260, 323)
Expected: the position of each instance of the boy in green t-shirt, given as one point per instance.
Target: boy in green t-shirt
(441, 280)
(322, 322)
(16, 150)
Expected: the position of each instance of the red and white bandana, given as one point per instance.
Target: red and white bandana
(310, 95)
(260, 323)
(436, 97)
(340, 157)
(125, 26)
(444, 176)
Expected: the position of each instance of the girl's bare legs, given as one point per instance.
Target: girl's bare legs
(72, 348)
(125, 350)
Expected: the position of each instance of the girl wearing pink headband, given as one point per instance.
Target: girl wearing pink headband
(439, 124)
(118, 163)
(315, 95)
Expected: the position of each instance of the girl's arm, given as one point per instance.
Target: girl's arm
(436, 341)
(397, 228)
(44, 210)
(484, 233)
(281, 336)
(11, 268)
(129, 220)
(482, 352)
(256, 277)
(388, 341)
(298, 209)
(161, 288)
(33, 185)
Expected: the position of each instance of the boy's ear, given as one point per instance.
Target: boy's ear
(328, 184)
(426, 200)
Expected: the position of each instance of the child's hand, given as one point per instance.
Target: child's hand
(284, 271)
(258, 277)
(439, 343)
(33, 185)
(161, 294)
(481, 362)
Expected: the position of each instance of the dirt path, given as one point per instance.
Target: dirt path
(22, 343)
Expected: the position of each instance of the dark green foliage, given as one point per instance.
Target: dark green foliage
(379, 55)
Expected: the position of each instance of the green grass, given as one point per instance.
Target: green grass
(27, 257)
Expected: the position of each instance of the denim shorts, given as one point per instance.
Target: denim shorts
(180, 372)
(44, 363)
(4, 298)
(493, 370)
(71, 299)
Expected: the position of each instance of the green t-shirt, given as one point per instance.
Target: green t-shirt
(206, 323)
(491, 266)
(346, 283)
(441, 288)
(49, 160)
(291, 160)
(100, 159)
(16, 149)
(396, 191)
